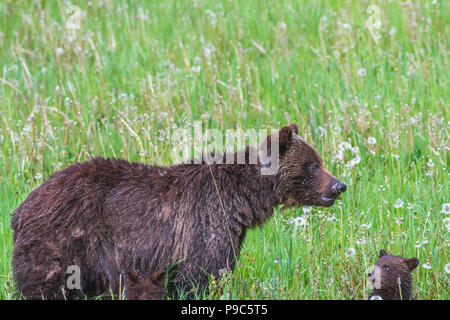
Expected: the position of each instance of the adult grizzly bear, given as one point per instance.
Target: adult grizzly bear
(108, 216)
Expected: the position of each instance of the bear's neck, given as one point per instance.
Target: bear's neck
(253, 195)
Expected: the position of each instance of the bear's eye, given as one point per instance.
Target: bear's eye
(315, 166)
(387, 268)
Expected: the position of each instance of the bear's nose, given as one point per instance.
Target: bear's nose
(339, 188)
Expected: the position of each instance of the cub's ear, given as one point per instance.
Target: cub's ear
(412, 263)
(294, 128)
(383, 253)
(133, 276)
(159, 276)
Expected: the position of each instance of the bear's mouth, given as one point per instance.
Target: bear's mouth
(327, 201)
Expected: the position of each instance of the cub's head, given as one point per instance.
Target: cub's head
(145, 287)
(390, 269)
(302, 178)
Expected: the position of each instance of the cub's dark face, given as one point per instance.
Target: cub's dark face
(302, 176)
(145, 287)
(389, 269)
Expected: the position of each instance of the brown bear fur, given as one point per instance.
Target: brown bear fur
(108, 216)
(393, 281)
(145, 286)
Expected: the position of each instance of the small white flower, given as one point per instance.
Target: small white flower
(447, 268)
(376, 298)
(362, 72)
(361, 241)
(393, 31)
(446, 208)
(427, 265)
(300, 221)
(346, 26)
(371, 140)
(307, 210)
(38, 176)
(417, 245)
(350, 252)
(399, 203)
(211, 16)
(196, 69)
(59, 51)
(197, 60)
(277, 260)
(446, 222)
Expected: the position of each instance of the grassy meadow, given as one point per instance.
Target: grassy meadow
(368, 89)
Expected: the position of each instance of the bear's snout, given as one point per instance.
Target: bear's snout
(338, 188)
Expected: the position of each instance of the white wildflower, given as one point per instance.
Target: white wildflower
(446, 208)
(346, 26)
(399, 203)
(300, 221)
(447, 268)
(350, 252)
(371, 140)
(427, 265)
(393, 31)
(196, 69)
(446, 222)
(366, 226)
(362, 72)
(59, 51)
(211, 16)
(307, 210)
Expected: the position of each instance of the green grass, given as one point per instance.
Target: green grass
(137, 69)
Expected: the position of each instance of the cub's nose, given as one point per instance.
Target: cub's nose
(339, 188)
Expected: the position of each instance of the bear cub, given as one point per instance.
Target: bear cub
(391, 278)
(145, 286)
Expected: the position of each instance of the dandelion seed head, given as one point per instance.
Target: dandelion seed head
(350, 252)
(362, 72)
(446, 208)
(399, 203)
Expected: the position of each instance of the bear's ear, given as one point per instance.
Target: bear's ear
(284, 140)
(159, 276)
(133, 276)
(383, 253)
(285, 137)
(412, 263)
